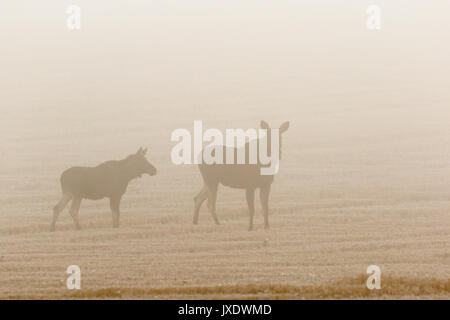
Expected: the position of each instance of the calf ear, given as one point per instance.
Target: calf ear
(264, 125)
(139, 151)
(284, 127)
(144, 151)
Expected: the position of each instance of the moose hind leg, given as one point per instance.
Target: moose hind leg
(198, 201)
(74, 209)
(66, 197)
(212, 197)
(250, 195)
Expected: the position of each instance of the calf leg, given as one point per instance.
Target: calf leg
(114, 203)
(212, 197)
(74, 209)
(198, 201)
(264, 195)
(66, 197)
(250, 195)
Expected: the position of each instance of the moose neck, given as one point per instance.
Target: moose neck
(128, 171)
(268, 153)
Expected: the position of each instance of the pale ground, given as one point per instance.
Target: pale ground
(365, 175)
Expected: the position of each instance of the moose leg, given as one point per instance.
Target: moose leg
(114, 203)
(198, 201)
(212, 196)
(66, 197)
(250, 195)
(74, 209)
(264, 195)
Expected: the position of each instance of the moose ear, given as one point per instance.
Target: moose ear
(144, 151)
(264, 125)
(139, 151)
(284, 127)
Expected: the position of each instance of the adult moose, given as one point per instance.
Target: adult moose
(107, 180)
(240, 176)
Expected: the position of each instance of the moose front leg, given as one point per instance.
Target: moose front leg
(74, 209)
(114, 203)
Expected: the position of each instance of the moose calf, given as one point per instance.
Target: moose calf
(107, 180)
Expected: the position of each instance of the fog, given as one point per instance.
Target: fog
(365, 160)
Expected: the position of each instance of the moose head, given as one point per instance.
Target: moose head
(139, 164)
(283, 128)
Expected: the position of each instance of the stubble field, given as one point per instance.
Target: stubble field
(339, 204)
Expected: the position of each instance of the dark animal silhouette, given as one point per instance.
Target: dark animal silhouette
(107, 180)
(241, 176)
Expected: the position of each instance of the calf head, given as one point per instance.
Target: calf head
(139, 164)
